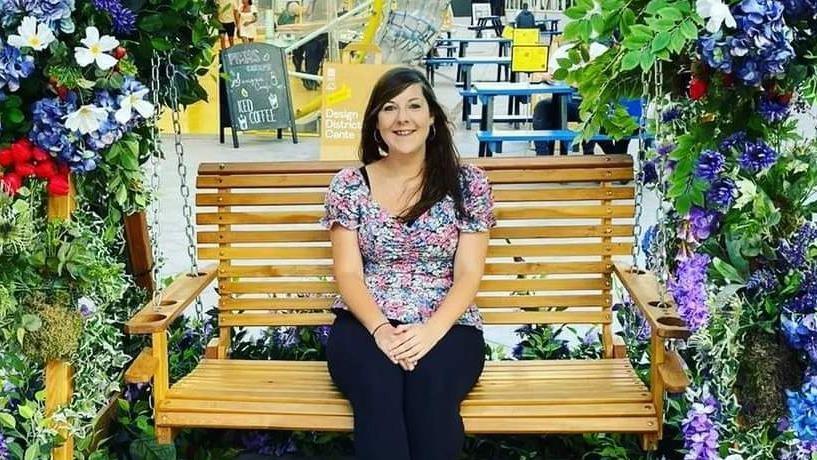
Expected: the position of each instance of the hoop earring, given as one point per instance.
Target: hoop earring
(378, 142)
(433, 132)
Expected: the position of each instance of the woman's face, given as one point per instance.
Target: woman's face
(404, 122)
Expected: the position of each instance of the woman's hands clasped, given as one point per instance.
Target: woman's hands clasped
(387, 338)
(406, 344)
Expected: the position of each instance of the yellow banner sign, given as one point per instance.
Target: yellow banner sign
(346, 90)
(529, 58)
(525, 37)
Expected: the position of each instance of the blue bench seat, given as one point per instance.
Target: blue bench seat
(491, 141)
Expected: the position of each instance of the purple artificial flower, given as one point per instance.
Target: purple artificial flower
(671, 114)
(322, 334)
(257, 442)
(665, 149)
(14, 66)
(699, 225)
(49, 131)
(86, 307)
(800, 10)
(803, 409)
(805, 300)
(688, 289)
(649, 173)
(722, 194)
(710, 164)
(123, 19)
(700, 431)
(288, 337)
(55, 13)
(757, 156)
(4, 448)
(715, 52)
(773, 110)
(590, 338)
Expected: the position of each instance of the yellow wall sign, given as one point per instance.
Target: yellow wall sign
(346, 89)
(529, 58)
(525, 37)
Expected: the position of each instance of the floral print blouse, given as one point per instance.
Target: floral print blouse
(409, 266)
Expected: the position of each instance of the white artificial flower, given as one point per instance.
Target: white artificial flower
(33, 35)
(734, 457)
(717, 12)
(86, 119)
(133, 101)
(96, 50)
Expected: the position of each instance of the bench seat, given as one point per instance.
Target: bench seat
(569, 396)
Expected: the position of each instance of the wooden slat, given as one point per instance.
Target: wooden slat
(264, 181)
(325, 287)
(501, 212)
(500, 195)
(495, 250)
(501, 231)
(484, 302)
(491, 268)
(488, 164)
(342, 408)
(254, 318)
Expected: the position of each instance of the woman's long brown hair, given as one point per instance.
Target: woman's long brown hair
(441, 172)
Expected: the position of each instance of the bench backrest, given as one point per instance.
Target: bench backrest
(560, 222)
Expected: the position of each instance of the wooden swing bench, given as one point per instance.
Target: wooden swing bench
(562, 222)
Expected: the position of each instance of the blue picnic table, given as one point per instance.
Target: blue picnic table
(467, 63)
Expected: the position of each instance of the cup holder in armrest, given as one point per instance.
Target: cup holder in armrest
(671, 321)
(151, 318)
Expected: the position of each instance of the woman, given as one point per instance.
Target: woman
(248, 17)
(409, 234)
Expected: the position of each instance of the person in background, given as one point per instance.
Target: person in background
(247, 19)
(525, 19)
(312, 52)
(227, 17)
(290, 13)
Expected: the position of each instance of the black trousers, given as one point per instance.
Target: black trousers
(547, 115)
(405, 415)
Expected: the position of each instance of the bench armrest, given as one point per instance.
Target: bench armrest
(643, 289)
(175, 299)
(142, 368)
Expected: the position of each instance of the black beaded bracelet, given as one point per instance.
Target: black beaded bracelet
(374, 331)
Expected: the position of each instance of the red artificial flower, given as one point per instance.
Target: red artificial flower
(45, 170)
(119, 52)
(697, 88)
(5, 158)
(58, 185)
(10, 183)
(39, 154)
(24, 169)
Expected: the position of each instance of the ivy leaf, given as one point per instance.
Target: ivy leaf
(647, 60)
(7, 421)
(689, 30)
(728, 272)
(26, 412)
(32, 452)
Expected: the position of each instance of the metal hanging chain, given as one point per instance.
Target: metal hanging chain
(662, 269)
(638, 230)
(184, 190)
(155, 143)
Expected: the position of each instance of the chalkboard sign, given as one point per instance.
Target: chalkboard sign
(257, 90)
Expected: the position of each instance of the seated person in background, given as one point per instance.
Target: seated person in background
(525, 19)
(290, 13)
(547, 112)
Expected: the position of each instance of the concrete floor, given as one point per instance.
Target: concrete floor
(264, 147)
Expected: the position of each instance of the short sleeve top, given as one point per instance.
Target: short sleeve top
(408, 267)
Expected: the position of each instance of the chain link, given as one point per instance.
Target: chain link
(155, 143)
(184, 190)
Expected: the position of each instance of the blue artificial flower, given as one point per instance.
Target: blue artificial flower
(322, 334)
(287, 337)
(4, 448)
(762, 282)
(800, 10)
(735, 142)
(794, 251)
(671, 114)
(14, 66)
(773, 110)
(55, 13)
(710, 164)
(700, 430)
(722, 194)
(122, 18)
(803, 409)
(715, 52)
(757, 156)
(649, 173)
(665, 149)
(49, 131)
